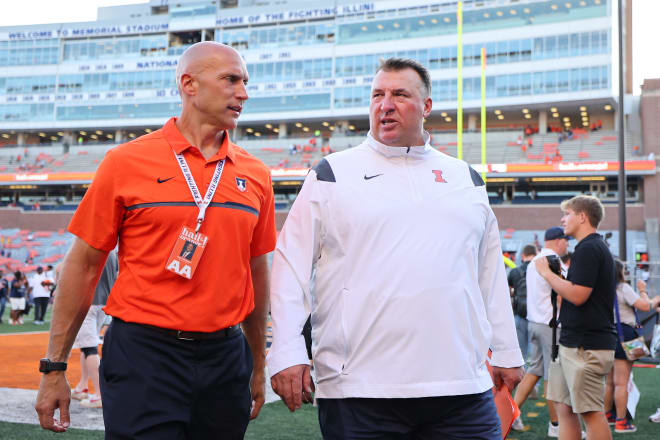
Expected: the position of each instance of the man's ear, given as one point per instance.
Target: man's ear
(188, 84)
(583, 217)
(428, 104)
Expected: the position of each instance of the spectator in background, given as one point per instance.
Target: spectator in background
(88, 337)
(588, 338)
(18, 298)
(616, 391)
(4, 294)
(566, 259)
(539, 315)
(518, 286)
(40, 288)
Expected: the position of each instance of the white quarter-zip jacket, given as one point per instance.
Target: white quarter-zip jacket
(395, 251)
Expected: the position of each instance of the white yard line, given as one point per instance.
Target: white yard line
(23, 333)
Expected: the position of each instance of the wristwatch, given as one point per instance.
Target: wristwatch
(46, 366)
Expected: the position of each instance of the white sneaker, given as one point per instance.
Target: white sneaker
(518, 424)
(553, 431)
(79, 395)
(655, 418)
(92, 401)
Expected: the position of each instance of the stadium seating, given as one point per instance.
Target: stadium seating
(501, 147)
(24, 249)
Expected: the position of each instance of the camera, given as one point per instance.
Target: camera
(555, 264)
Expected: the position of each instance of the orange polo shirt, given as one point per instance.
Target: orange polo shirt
(139, 196)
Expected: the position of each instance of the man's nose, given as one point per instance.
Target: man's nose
(242, 92)
(387, 103)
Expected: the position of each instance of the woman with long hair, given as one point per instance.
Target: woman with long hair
(617, 381)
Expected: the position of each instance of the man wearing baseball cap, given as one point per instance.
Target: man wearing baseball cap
(539, 314)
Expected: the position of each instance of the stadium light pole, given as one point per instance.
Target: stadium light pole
(623, 250)
(459, 81)
(483, 113)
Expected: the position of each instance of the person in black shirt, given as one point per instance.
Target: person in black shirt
(588, 336)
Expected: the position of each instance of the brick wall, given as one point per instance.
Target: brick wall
(34, 220)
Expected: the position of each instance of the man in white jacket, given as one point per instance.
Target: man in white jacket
(394, 250)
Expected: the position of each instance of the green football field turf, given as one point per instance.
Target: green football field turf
(277, 423)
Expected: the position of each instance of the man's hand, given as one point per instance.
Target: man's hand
(294, 385)
(258, 391)
(542, 267)
(508, 376)
(655, 302)
(641, 285)
(54, 392)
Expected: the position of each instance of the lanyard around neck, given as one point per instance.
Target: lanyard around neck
(202, 203)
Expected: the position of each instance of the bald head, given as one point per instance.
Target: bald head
(212, 82)
(201, 55)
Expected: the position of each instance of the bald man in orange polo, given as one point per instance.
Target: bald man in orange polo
(176, 363)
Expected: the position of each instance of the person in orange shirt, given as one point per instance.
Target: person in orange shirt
(175, 362)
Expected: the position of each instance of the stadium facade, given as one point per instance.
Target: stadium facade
(310, 63)
(551, 67)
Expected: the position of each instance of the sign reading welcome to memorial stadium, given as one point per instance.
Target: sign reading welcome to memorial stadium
(84, 30)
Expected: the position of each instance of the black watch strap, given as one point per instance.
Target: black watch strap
(46, 366)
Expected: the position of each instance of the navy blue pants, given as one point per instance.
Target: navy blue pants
(155, 386)
(40, 306)
(471, 416)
